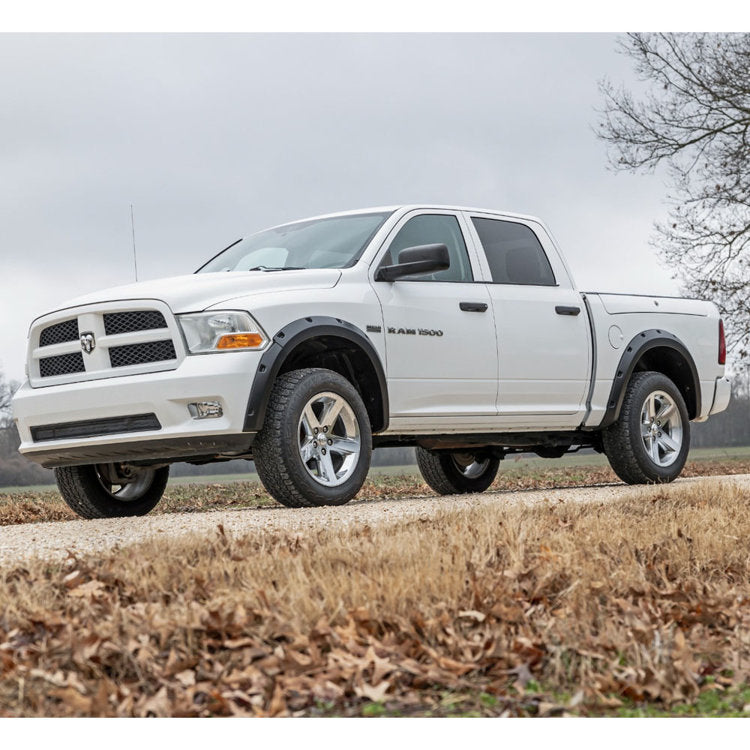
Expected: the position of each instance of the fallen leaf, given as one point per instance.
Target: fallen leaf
(186, 678)
(375, 694)
(89, 589)
(472, 614)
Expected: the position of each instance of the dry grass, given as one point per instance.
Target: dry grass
(525, 610)
(35, 507)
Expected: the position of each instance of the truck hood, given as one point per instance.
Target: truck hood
(200, 291)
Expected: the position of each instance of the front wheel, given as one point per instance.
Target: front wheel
(315, 444)
(456, 473)
(649, 442)
(111, 490)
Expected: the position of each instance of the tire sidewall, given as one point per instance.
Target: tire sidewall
(657, 382)
(315, 383)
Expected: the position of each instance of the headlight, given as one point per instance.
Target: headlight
(221, 331)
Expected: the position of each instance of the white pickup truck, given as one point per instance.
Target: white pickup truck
(458, 331)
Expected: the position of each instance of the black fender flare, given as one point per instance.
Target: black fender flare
(282, 345)
(638, 346)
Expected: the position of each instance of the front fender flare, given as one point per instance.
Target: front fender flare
(284, 343)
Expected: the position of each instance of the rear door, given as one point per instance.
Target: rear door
(543, 335)
(439, 330)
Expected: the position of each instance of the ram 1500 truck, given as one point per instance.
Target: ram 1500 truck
(458, 331)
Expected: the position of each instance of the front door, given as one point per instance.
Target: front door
(441, 355)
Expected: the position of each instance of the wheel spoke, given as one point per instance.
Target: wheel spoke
(331, 412)
(309, 420)
(651, 407)
(665, 410)
(668, 444)
(307, 450)
(345, 446)
(325, 466)
(654, 451)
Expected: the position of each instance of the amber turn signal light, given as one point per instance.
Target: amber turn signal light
(240, 341)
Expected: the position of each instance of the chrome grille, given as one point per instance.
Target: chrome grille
(64, 364)
(138, 354)
(136, 320)
(59, 333)
(124, 337)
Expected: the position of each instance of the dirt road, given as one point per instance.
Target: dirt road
(53, 540)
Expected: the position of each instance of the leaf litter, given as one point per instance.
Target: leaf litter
(542, 610)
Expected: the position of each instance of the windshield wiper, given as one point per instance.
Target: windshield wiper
(277, 268)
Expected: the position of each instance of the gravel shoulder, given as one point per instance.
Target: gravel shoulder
(55, 540)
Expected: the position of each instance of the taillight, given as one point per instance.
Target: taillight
(722, 344)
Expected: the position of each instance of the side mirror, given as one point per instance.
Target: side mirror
(413, 260)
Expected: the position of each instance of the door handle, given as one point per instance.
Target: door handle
(473, 306)
(567, 310)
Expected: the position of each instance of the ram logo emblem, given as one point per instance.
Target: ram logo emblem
(88, 342)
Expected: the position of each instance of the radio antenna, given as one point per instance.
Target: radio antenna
(132, 229)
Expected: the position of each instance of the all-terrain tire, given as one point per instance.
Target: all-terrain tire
(624, 443)
(444, 472)
(84, 490)
(277, 452)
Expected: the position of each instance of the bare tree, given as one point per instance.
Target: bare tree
(693, 117)
(7, 389)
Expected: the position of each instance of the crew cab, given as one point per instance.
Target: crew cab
(459, 331)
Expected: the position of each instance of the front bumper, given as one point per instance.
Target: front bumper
(226, 378)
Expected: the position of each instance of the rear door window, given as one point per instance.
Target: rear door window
(514, 253)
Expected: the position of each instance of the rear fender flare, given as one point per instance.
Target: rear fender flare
(634, 352)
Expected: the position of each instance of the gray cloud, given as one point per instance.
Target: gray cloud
(214, 136)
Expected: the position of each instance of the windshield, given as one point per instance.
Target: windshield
(336, 242)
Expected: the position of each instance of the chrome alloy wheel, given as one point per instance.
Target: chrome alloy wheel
(469, 466)
(126, 486)
(661, 428)
(329, 440)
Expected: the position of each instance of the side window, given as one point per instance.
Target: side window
(430, 229)
(514, 253)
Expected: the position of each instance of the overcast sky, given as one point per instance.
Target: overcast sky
(212, 137)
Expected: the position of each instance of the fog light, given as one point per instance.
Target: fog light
(205, 410)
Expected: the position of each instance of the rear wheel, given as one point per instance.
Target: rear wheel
(457, 473)
(649, 442)
(111, 490)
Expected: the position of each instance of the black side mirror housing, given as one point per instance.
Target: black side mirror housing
(414, 260)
